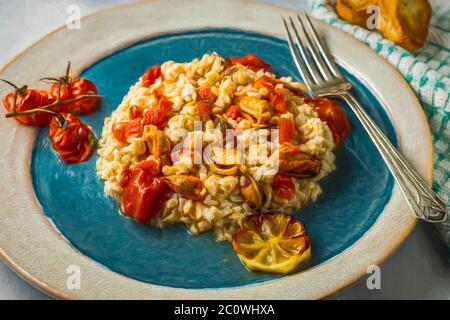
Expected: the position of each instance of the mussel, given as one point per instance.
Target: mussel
(223, 161)
(250, 191)
(268, 194)
(157, 141)
(296, 163)
(255, 110)
(186, 186)
(221, 124)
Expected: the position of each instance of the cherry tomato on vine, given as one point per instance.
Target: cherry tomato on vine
(74, 141)
(72, 88)
(28, 99)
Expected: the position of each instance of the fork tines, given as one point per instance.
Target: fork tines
(310, 56)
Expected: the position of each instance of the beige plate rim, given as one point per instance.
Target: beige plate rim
(44, 258)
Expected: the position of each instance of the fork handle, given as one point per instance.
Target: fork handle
(425, 203)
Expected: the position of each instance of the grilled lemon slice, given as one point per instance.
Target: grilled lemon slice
(275, 243)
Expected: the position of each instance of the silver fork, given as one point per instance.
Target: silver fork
(324, 79)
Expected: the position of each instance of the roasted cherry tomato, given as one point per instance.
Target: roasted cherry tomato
(135, 127)
(158, 92)
(252, 62)
(204, 94)
(276, 95)
(234, 112)
(157, 114)
(123, 130)
(150, 76)
(283, 186)
(203, 109)
(265, 82)
(334, 116)
(28, 99)
(143, 192)
(287, 130)
(278, 100)
(135, 112)
(275, 243)
(72, 88)
(73, 141)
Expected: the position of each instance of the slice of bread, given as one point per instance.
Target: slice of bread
(405, 22)
(354, 11)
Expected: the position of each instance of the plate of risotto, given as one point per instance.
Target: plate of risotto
(183, 158)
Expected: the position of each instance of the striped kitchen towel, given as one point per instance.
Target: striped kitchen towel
(428, 73)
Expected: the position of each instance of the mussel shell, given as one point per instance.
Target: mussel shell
(251, 192)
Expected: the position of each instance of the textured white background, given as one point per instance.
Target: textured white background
(418, 270)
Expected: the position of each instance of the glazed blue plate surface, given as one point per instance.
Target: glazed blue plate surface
(72, 196)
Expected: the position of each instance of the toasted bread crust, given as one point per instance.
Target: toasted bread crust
(405, 22)
(354, 11)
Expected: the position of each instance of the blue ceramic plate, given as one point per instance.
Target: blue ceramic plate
(56, 220)
(72, 195)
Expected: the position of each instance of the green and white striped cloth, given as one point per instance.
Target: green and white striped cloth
(428, 73)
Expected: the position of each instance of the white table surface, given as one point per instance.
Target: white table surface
(418, 270)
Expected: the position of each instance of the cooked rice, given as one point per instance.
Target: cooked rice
(222, 209)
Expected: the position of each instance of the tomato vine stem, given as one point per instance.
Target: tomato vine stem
(17, 90)
(52, 105)
(65, 80)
